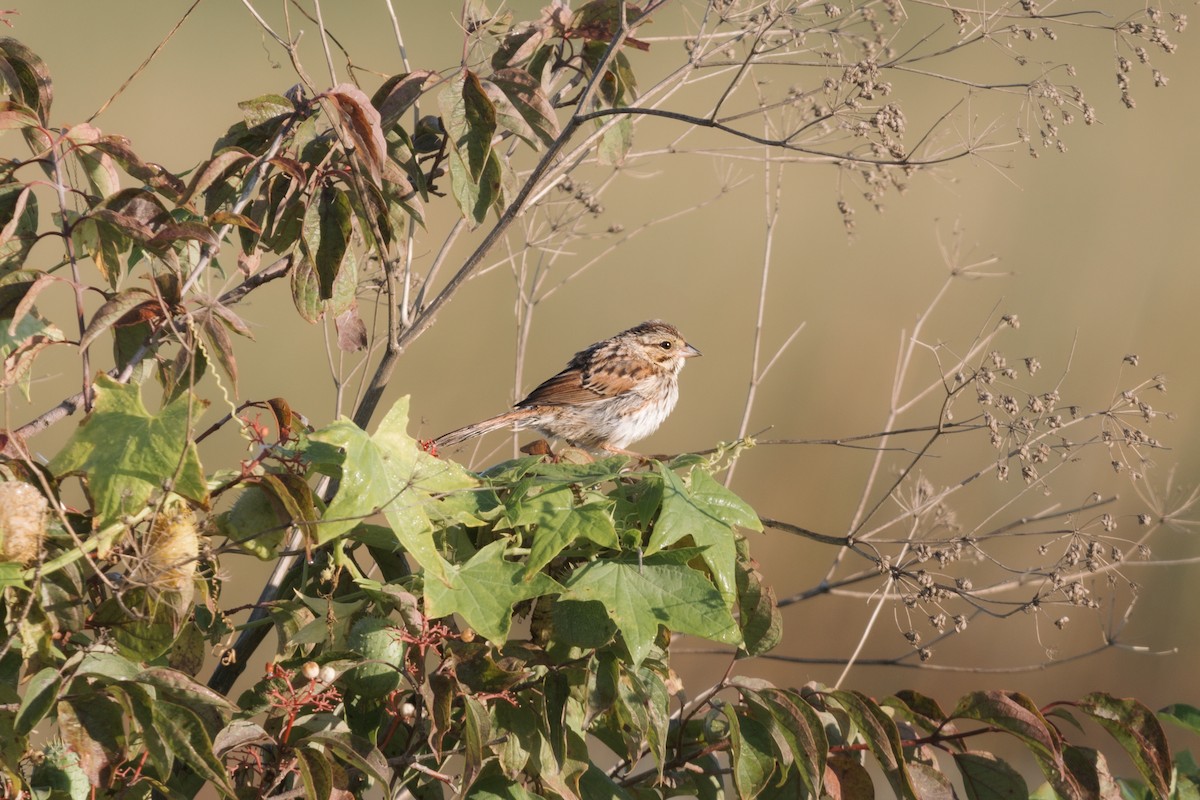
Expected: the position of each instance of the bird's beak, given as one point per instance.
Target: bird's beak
(690, 352)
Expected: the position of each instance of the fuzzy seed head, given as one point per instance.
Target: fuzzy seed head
(22, 522)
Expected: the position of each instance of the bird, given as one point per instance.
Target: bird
(610, 395)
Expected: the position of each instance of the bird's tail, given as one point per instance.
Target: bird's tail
(516, 419)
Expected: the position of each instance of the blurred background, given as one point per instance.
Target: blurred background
(1097, 246)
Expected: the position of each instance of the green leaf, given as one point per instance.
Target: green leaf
(389, 471)
(306, 288)
(882, 737)
(57, 774)
(702, 513)
(559, 523)
(1183, 715)
(327, 233)
(526, 98)
(184, 734)
(753, 756)
(91, 724)
(759, 618)
(355, 751)
(493, 785)
(615, 143)
(1138, 731)
(475, 170)
(475, 197)
(473, 135)
(138, 703)
(804, 732)
(483, 591)
(40, 694)
(477, 729)
(986, 777)
(209, 706)
(641, 597)
(262, 110)
(1016, 714)
(34, 86)
(155, 449)
(316, 772)
(146, 634)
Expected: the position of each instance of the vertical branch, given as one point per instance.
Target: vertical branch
(333, 79)
(77, 284)
(771, 201)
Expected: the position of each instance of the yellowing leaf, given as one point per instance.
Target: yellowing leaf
(127, 454)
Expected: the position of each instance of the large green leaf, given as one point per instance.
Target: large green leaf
(483, 591)
(558, 522)
(390, 472)
(154, 450)
(707, 513)
(658, 591)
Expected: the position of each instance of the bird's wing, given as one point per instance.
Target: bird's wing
(576, 385)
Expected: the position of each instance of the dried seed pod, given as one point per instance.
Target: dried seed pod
(22, 522)
(171, 550)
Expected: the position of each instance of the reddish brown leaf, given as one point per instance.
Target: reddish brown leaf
(173, 232)
(397, 95)
(361, 123)
(26, 303)
(217, 166)
(351, 331)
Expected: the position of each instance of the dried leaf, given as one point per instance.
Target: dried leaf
(351, 331)
(361, 123)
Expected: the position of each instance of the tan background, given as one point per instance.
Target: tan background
(1101, 241)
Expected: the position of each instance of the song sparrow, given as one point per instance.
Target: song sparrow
(610, 395)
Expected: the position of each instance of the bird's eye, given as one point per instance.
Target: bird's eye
(666, 345)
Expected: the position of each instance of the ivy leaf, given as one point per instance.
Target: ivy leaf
(483, 591)
(154, 449)
(659, 591)
(390, 472)
(525, 94)
(703, 514)
(559, 523)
